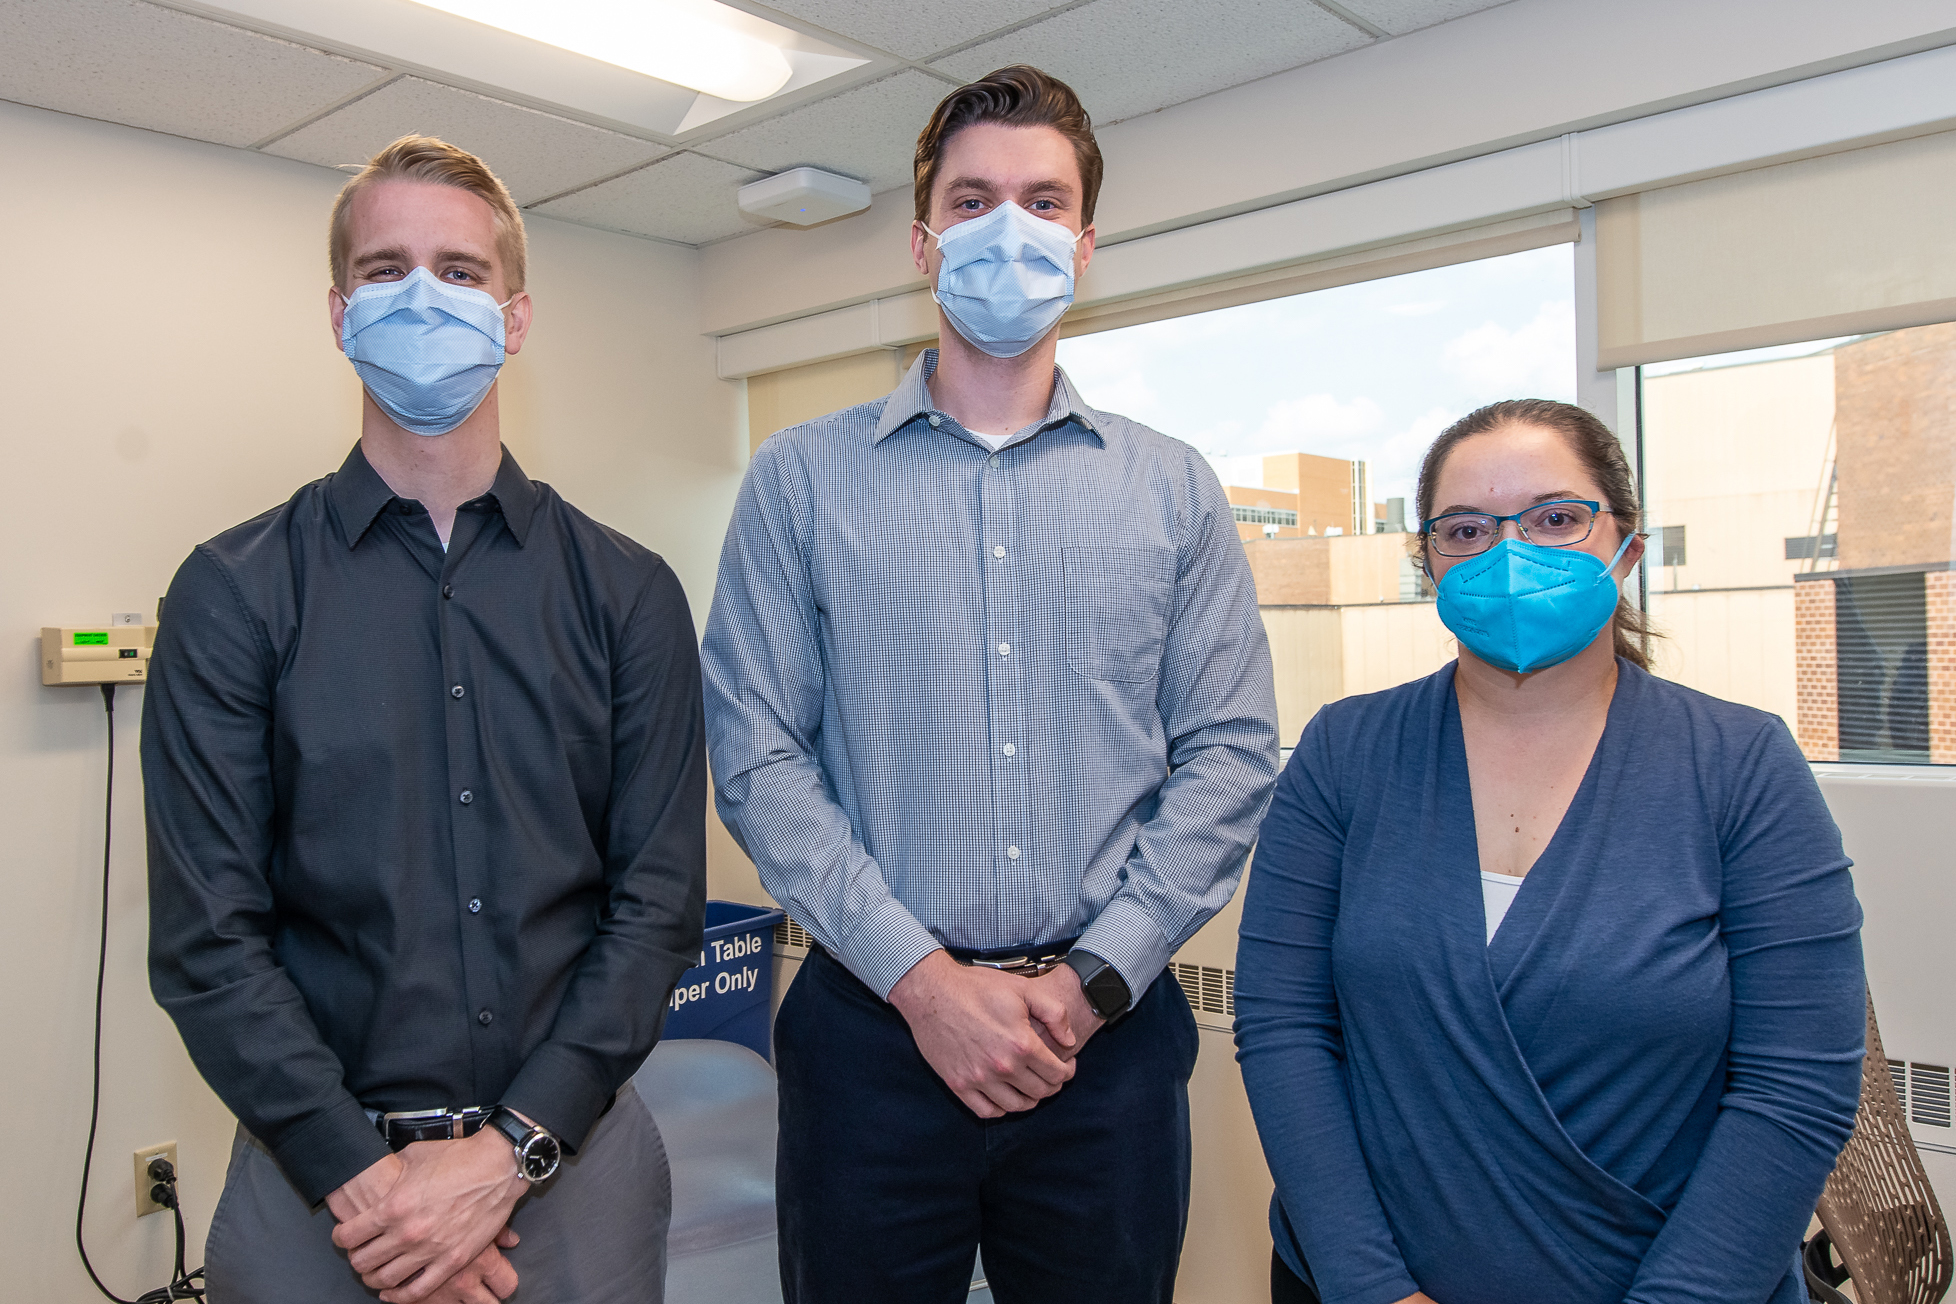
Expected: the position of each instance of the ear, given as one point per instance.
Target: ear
(1083, 251)
(1631, 556)
(920, 248)
(516, 323)
(336, 313)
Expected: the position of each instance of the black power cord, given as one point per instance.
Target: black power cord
(183, 1285)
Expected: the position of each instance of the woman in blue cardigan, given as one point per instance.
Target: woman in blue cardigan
(1549, 988)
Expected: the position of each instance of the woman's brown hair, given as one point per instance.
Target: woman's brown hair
(1596, 447)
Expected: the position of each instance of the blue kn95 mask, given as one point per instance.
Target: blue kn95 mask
(1524, 607)
(427, 351)
(1006, 278)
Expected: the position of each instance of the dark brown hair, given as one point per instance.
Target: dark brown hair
(1596, 447)
(1017, 96)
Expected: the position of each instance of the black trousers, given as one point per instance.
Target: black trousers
(1286, 1287)
(887, 1186)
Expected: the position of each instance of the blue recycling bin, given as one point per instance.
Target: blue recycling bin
(725, 996)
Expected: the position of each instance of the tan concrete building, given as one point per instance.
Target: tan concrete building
(1736, 460)
(1345, 614)
(1304, 495)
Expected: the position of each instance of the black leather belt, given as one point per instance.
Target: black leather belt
(404, 1127)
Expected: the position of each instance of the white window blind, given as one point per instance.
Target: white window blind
(1842, 244)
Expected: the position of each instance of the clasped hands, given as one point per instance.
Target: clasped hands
(431, 1223)
(1000, 1041)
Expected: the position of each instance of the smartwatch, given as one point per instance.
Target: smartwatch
(537, 1151)
(1106, 990)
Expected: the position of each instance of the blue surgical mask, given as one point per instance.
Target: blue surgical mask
(1524, 607)
(426, 351)
(1006, 278)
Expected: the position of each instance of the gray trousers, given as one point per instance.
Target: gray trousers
(593, 1234)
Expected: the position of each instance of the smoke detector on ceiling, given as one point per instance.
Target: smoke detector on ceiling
(803, 196)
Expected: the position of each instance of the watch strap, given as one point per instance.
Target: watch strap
(522, 1136)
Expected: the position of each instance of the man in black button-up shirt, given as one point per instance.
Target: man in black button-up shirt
(426, 792)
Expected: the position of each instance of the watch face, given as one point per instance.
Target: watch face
(539, 1156)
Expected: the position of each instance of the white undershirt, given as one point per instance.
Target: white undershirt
(996, 441)
(1497, 894)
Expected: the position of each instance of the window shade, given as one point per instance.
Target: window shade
(1841, 244)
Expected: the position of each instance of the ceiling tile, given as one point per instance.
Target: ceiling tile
(1402, 16)
(685, 198)
(140, 64)
(869, 133)
(1128, 57)
(536, 154)
(913, 30)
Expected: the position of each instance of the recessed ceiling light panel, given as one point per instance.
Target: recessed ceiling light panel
(678, 41)
(804, 196)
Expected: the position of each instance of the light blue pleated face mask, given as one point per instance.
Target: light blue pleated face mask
(1524, 607)
(427, 351)
(1006, 278)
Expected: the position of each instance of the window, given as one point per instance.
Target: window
(1817, 483)
(1315, 410)
(1265, 515)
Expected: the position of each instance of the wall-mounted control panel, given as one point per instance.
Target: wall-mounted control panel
(110, 654)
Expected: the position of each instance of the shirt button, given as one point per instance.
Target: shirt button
(448, 590)
(1005, 649)
(475, 905)
(998, 550)
(456, 691)
(466, 797)
(1009, 750)
(1011, 853)
(935, 421)
(485, 1018)
(994, 461)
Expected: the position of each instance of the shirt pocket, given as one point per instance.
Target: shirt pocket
(1118, 603)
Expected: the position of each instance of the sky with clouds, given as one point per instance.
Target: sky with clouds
(1370, 371)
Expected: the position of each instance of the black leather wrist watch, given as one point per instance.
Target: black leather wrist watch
(537, 1151)
(1106, 990)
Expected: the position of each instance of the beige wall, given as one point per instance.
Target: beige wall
(170, 374)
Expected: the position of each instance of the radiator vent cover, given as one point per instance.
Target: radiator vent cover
(1210, 990)
(1898, 1074)
(1928, 1090)
(791, 934)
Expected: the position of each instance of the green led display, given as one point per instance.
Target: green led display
(91, 639)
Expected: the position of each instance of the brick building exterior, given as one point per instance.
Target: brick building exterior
(1875, 638)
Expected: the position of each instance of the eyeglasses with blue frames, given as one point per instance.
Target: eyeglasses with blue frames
(1560, 524)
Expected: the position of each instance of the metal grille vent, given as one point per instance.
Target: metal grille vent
(1209, 990)
(1898, 1074)
(1928, 1090)
(789, 933)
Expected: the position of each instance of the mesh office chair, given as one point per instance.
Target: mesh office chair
(1878, 1212)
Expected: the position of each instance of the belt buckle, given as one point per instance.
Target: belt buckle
(419, 1118)
(1025, 966)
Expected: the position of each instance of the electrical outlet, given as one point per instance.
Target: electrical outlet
(144, 1181)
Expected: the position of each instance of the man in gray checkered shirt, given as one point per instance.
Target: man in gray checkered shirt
(989, 704)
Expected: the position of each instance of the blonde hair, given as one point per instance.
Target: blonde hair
(424, 158)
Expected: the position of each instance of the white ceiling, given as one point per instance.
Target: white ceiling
(298, 95)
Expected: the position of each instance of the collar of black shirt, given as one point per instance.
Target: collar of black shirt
(358, 495)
